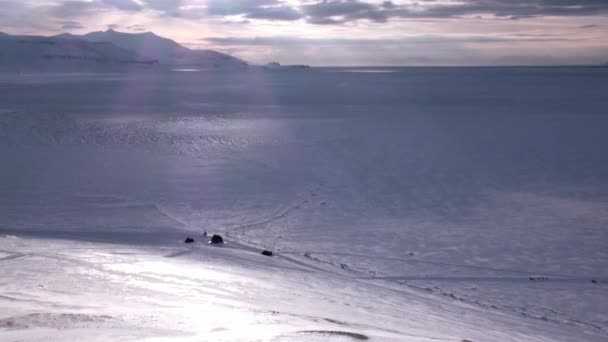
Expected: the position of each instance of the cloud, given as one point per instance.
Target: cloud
(124, 5)
(71, 25)
(518, 8)
(254, 9)
(163, 5)
(314, 12)
(75, 9)
(9, 9)
(340, 11)
(414, 40)
(71, 9)
(281, 12)
(331, 8)
(137, 27)
(343, 11)
(236, 7)
(324, 21)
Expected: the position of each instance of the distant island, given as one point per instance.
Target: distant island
(276, 65)
(107, 49)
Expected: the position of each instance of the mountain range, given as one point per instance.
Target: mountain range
(107, 48)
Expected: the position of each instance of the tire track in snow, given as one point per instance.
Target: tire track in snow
(477, 279)
(13, 256)
(278, 215)
(438, 263)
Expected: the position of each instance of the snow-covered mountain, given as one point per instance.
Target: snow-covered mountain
(165, 51)
(147, 44)
(106, 48)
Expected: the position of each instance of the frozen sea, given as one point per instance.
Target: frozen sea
(405, 204)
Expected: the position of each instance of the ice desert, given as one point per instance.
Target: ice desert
(412, 204)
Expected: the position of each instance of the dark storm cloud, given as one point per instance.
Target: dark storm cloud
(318, 12)
(335, 12)
(518, 8)
(342, 11)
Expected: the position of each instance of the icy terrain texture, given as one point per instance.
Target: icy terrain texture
(413, 205)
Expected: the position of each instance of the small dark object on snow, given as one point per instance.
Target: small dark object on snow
(189, 240)
(204, 234)
(217, 239)
(267, 253)
(594, 281)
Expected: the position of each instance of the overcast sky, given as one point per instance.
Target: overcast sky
(343, 32)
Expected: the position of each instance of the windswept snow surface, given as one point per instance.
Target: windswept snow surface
(420, 204)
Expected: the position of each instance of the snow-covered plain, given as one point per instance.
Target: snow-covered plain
(412, 205)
